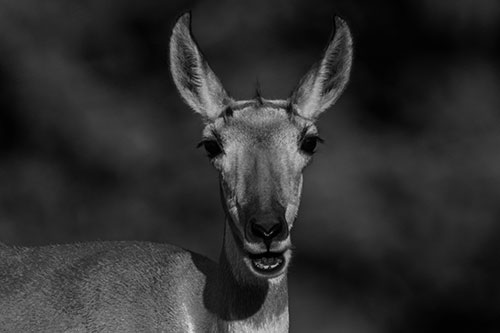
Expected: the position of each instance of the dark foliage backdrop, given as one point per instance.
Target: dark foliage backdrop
(399, 226)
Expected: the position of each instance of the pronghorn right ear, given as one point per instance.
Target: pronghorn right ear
(324, 83)
(194, 79)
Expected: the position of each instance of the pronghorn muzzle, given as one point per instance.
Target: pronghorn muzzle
(266, 234)
(266, 228)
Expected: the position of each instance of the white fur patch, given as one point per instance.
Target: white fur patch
(188, 320)
(274, 324)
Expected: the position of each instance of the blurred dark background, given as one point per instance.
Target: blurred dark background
(399, 225)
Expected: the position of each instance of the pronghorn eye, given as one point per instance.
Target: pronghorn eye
(212, 147)
(308, 144)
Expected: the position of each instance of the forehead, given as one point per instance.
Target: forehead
(258, 121)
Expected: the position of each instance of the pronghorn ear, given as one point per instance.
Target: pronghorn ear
(326, 80)
(194, 79)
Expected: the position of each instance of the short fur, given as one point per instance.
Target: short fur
(150, 287)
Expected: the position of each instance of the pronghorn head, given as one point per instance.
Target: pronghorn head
(260, 147)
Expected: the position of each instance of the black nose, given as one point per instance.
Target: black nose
(267, 230)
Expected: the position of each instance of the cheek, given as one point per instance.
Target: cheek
(228, 174)
(227, 185)
(291, 176)
(234, 169)
(293, 202)
(229, 197)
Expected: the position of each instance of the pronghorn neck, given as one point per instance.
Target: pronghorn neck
(246, 303)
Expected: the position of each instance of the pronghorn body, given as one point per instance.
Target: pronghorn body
(126, 287)
(260, 148)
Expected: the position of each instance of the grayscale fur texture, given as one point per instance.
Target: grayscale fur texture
(151, 287)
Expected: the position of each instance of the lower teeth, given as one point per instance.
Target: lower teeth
(267, 263)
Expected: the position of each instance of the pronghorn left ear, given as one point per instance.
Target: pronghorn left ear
(324, 83)
(196, 82)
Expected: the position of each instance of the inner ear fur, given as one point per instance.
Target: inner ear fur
(196, 82)
(323, 84)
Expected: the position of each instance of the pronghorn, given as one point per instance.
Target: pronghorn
(260, 148)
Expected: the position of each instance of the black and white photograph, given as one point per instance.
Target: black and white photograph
(250, 166)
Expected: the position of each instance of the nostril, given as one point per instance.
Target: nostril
(258, 230)
(275, 230)
(265, 231)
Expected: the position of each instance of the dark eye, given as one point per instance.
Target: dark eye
(308, 144)
(212, 147)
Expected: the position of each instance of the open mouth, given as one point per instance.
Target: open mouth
(267, 263)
